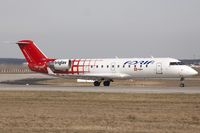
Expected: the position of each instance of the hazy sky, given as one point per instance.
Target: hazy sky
(102, 28)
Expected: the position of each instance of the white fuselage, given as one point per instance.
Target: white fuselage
(126, 68)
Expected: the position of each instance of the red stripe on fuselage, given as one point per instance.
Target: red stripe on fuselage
(76, 68)
(84, 66)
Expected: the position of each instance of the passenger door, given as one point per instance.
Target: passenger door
(159, 68)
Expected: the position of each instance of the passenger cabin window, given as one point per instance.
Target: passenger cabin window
(176, 63)
(129, 66)
(113, 66)
(118, 66)
(91, 66)
(101, 66)
(107, 66)
(97, 66)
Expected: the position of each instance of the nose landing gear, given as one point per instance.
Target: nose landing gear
(182, 84)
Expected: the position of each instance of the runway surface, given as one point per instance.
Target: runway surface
(186, 90)
(120, 89)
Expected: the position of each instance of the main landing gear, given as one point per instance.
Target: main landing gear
(182, 84)
(97, 83)
(105, 83)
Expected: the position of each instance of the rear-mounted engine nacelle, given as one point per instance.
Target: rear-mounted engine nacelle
(60, 64)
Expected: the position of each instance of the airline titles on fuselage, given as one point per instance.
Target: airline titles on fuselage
(141, 62)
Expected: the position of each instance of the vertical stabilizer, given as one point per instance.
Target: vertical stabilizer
(37, 61)
(31, 52)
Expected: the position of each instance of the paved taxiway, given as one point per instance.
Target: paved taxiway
(120, 89)
(186, 90)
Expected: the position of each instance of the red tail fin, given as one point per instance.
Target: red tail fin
(34, 56)
(31, 52)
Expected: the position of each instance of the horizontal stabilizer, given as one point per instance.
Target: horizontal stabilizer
(22, 43)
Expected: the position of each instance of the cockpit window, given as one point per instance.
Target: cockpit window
(176, 63)
(181, 63)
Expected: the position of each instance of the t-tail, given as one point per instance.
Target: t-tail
(34, 56)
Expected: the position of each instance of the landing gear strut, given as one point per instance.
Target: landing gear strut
(182, 82)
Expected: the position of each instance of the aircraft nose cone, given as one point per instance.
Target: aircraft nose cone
(188, 72)
(194, 72)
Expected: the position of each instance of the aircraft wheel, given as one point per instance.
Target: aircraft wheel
(182, 85)
(97, 83)
(106, 83)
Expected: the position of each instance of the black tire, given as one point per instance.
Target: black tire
(182, 85)
(106, 83)
(97, 83)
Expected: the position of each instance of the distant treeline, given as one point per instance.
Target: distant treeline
(191, 61)
(12, 61)
(14, 68)
(21, 61)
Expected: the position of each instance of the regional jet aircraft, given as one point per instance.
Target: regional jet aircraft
(104, 70)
